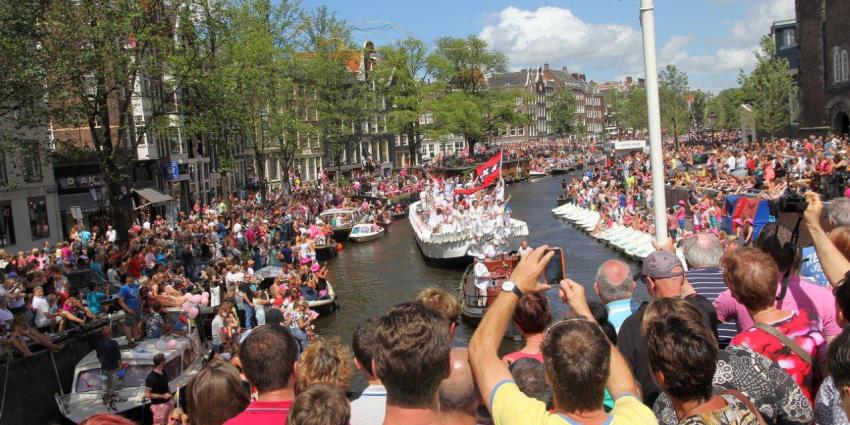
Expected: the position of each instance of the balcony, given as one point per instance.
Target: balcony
(147, 152)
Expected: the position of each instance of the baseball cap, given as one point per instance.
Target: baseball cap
(660, 265)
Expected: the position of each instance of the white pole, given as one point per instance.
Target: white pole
(647, 21)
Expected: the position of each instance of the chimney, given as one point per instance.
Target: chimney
(545, 66)
(581, 77)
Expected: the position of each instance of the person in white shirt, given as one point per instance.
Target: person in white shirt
(41, 307)
(730, 163)
(370, 407)
(482, 278)
(216, 328)
(111, 234)
(524, 249)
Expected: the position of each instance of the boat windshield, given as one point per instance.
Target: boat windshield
(131, 376)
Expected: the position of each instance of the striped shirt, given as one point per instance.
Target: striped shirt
(708, 282)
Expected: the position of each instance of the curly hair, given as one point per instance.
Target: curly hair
(441, 301)
(325, 361)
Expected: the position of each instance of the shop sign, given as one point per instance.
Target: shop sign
(80, 182)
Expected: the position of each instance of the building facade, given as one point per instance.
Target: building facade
(542, 83)
(29, 205)
(823, 40)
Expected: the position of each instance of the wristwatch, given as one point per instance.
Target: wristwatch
(509, 286)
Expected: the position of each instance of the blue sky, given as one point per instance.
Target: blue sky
(709, 39)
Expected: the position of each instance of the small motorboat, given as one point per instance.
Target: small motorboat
(366, 232)
(183, 355)
(342, 220)
(326, 251)
(325, 304)
(537, 174)
(399, 212)
(473, 304)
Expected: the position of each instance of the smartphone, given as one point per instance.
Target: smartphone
(556, 267)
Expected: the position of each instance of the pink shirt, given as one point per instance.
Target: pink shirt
(801, 295)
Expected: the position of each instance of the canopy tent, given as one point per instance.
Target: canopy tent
(745, 207)
(152, 196)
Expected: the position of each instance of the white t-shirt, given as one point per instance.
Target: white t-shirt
(525, 251)
(215, 328)
(482, 275)
(370, 407)
(111, 235)
(42, 309)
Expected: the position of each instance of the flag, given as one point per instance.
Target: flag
(488, 172)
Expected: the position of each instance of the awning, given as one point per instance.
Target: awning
(152, 196)
(82, 200)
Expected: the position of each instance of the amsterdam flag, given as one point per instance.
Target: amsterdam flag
(488, 173)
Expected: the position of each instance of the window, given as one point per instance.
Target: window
(845, 68)
(7, 225)
(31, 166)
(836, 65)
(39, 226)
(2, 169)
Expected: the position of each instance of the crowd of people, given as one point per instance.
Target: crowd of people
(733, 333)
(730, 335)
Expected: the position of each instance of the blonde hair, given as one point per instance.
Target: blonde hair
(440, 300)
(325, 361)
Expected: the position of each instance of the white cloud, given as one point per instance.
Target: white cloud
(557, 36)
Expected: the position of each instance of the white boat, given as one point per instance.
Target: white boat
(366, 233)
(342, 220)
(456, 246)
(536, 174)
(183, 356)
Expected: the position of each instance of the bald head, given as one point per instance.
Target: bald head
(614, 281)
(702, 250)
(458, 392)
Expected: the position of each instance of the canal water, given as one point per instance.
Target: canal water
(371, 278)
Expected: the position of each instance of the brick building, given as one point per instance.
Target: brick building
(823, 37)
(542, 83)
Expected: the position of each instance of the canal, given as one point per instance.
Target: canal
(370, 278)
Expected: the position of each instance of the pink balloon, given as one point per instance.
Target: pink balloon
(196, 299)
(172, 344)
(187, 306)
(205, 301)
(193, 313)
(205, 294)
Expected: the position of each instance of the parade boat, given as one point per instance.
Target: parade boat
(453, 247)
(473, 304)
(342, 220)
(183, 355)
(399, 212)
(366, 233)
(324, 305)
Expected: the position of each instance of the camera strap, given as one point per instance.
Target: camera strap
(795, 236)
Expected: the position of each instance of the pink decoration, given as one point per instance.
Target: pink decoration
(196, 299)
(187, 306)
(205, 301)
(193, 313)
(172, 344)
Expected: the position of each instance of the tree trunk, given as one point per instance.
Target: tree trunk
(412, 147)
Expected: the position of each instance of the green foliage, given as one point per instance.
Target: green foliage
(724, 107)
(673, 87)
(465, 63)
(699, 109)
(460, 104)
(769, 89)
(635, 113)
(563, 114)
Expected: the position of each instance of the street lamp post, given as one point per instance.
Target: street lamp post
(647, 22)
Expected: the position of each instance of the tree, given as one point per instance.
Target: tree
(563, 113)
(724, 107)
(675, 114)
(699, 109)
(401, 77)
(465, 64)
(461, 104)
(341, 97)
(92, 57)
(769, 89)
(259, 90)
(635, 110)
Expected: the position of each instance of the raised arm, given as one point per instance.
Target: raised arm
(488, 369)
(832, 261)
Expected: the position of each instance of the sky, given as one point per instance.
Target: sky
(711, 40)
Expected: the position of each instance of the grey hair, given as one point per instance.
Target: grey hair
(702, 250)
(612, 290)
(838, 212)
